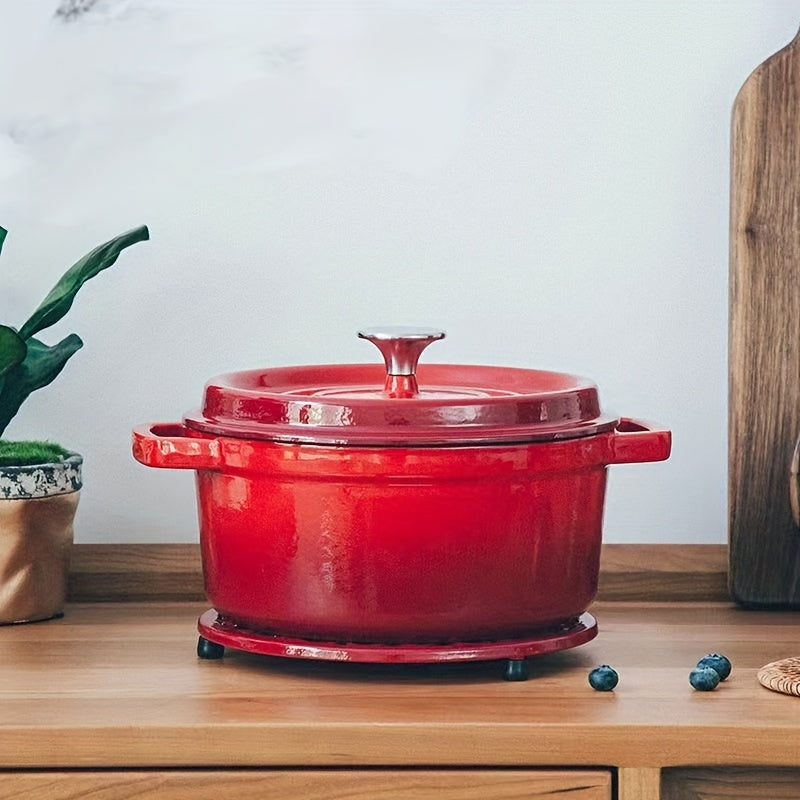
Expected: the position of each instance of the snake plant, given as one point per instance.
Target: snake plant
(26, 363)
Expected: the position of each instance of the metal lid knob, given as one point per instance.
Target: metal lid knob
(401, 346)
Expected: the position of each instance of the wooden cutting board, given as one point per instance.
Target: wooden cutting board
(764, 335)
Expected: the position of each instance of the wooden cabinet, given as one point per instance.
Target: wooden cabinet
(309, 785)
(111, 702)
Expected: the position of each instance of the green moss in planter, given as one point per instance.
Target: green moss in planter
(21, 454)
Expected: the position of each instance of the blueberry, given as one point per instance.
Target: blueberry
(603, 678)
(704, 679)
(718, 662)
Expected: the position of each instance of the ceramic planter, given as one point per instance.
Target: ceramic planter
(37, 509)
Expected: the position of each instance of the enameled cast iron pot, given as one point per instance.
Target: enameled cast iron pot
(352, 503)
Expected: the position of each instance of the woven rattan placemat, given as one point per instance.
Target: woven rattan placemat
(781, 676)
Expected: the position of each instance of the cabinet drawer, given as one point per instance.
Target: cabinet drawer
(730, 783)
(248, 784)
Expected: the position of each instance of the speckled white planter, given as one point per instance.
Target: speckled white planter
(37, 509)
(41, 480)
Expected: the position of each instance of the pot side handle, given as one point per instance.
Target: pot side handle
(166, 445)
(636, 441)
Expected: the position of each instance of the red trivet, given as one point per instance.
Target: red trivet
(216, 633)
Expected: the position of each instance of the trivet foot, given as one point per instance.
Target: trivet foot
(209, 650)
(516, 669)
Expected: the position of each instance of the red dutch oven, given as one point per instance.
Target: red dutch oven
(353, 503)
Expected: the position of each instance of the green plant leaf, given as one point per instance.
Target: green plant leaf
(3, 234)
(12, 349)
(41, 365)
(60, 298)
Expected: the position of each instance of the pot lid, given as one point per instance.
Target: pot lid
(399, 403)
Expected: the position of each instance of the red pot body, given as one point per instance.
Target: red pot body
(395, 544)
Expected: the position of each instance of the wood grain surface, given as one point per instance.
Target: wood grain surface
(764, 336)
(131, 572)
(134, 572)
(663, 572)
(639, 783)
(310, 785)
(118, 686)
(730, 783)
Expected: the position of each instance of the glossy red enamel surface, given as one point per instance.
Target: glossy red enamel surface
(441, 404)
(401, 504)
(400, 544)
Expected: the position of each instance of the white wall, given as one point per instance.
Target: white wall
(548, 181)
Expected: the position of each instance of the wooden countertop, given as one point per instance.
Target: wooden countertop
(119, 684)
